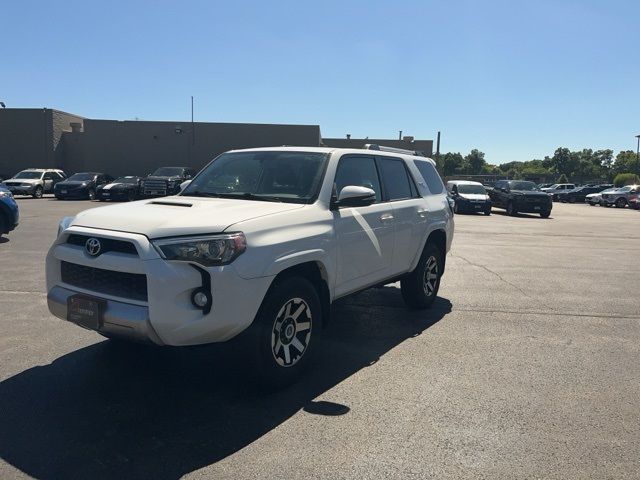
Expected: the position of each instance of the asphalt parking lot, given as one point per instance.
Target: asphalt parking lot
(526, 367)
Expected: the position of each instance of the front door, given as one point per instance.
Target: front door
(364, 234)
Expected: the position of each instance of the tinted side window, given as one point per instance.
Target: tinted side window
(430, 175)
(394, 177)
(47, 176)
(359, 171)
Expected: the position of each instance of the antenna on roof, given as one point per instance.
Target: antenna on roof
(382, 148)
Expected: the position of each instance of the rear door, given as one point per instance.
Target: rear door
(409, 211)
(364, 235)
(47, 180)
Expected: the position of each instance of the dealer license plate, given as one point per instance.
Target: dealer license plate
(85, 311)
(537, 207)
(63, 191)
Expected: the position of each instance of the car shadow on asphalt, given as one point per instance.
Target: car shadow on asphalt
(107, 411)
(521, 215)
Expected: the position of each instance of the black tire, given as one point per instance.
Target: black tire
(572, 200)
(131, 196)
(511, 209)
(418, 291)
(92, 194)
(276, 361)
(545, 214)
(621, 203)
(487, 212)
(37, 193)
(3, 224)
(591, 204)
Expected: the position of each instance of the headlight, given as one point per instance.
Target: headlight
(5, 193)
(64, 224)
(208, 251)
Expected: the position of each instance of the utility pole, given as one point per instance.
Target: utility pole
(438, 145)
(638, 156)
(193, 128)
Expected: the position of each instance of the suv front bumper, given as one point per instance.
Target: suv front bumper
(166, 316)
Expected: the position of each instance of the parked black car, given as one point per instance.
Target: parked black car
(580, 194)
(121, 189)
(81, 185)
(165, 181)
(520, 196)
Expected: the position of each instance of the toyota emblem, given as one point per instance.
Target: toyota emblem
(93, 246)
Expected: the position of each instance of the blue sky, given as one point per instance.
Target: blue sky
(515, 79)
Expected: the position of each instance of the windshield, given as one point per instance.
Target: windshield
(167, 172)
(125, 180)
(81, 177)
(527, 186)
(624, 189)
(293, 177)
(469, 189)
(28, 174)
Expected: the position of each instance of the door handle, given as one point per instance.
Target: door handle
(423, 213)
(386, 217)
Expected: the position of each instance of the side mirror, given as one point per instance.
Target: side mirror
(184, 185)
(354, 196)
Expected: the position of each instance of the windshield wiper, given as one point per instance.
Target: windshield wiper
(252, 196)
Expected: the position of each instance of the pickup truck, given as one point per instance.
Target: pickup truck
(518, 196)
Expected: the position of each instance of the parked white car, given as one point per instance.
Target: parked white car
(594, 199)
(557, 188)
(34, 181)
(263, 241)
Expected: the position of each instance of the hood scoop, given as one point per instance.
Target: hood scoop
(170, 204)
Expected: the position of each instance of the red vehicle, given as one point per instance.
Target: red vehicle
(634, 200)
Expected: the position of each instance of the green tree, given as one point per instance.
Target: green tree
(563, 161)
(562, 179)
(626, 161)
(623, 179)
(450, 163)
(475, 161)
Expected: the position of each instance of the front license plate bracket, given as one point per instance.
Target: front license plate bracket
(86, 311)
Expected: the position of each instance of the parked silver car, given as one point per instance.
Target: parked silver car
(619, 197)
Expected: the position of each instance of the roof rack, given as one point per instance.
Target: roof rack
(382, 148)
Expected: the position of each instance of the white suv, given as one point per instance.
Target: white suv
(35, 181)
(262, 240)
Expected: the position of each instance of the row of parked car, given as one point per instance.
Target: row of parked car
(36, 182)
(518, 196)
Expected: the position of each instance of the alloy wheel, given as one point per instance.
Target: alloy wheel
(291, 332)
(430, 278)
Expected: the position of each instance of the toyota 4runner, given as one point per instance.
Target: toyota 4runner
(260, 243)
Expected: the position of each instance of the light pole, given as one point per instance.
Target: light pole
(638, 156)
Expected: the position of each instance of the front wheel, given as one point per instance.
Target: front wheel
(286, 332)
(545, 214)
(37, 193)
(92, 194)
(621, 203)
(511, 209)
(487, 212)
(420, 287)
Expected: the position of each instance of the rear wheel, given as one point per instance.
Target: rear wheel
(420, 287)
(286, 332)
(511, 209)
(487, 211)
(37, 193)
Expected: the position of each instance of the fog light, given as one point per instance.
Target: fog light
(200, 299)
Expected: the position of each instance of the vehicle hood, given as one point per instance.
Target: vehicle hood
(116, 186)
(175, 216)
(474, 196)
(592, 195)
(73, 183)
(171, 178)
(23, 180)
(529, 193)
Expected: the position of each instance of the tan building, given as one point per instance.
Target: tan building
(49, 138)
